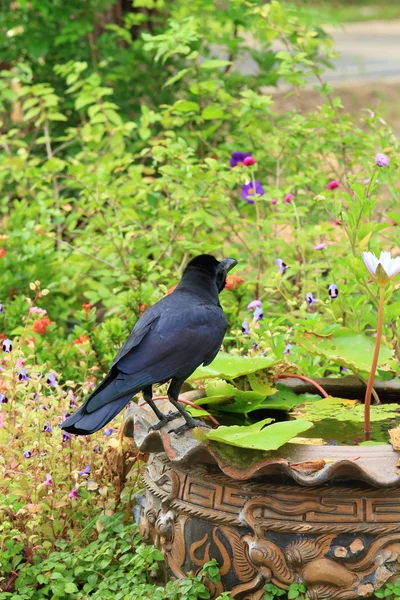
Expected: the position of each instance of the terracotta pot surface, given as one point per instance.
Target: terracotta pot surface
(307, 465)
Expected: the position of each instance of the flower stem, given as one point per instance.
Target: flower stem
(367, 404)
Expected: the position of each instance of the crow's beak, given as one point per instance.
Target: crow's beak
(226, 264)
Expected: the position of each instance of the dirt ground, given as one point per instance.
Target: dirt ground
(383, 98)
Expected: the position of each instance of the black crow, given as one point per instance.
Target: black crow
(169, 341)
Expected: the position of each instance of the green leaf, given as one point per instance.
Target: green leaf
(177, 77)
(215, 63)
(347, 410)
(226, 366)
(344, 347)
(213, 111)
(186, 107)
(259, 437)
(197, 412)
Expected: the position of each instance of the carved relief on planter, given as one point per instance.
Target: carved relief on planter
(342, 542)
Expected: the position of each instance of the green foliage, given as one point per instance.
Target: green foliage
(391, 591)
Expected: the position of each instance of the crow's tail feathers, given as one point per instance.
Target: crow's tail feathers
(101, 406)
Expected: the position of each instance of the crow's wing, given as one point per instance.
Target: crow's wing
(174, 345)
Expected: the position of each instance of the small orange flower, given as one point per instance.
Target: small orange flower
(233, 282)
(3, 336)
(40, 325)
(80, 340)
(86, 307)
(171, 289)
(142, 307)
(2, 252)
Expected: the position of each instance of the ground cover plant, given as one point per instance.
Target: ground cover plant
(128, 146)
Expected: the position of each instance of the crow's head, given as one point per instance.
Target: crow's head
(211, 266)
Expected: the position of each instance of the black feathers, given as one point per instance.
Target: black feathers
(170, 340)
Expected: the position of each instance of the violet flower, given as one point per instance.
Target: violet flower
(282, 265)
(320, 246)
(254, 304)
(254, 346)
(47, 427)
(97, 449)
(22, 376)
(7, 345)
(258, 313)
(27, 453)
(382, 160)
(237, 158)
(245, 327)
(36, 309)
(287, 349)
(1, 308)
(249, 190)
(73, 493)
(333, 291)
(51, 379)
(310, 299)
(66, 437)
(3, 399)
(85, 471)
(48, 481)
(109, 431)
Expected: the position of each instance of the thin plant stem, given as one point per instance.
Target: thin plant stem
(367, 404)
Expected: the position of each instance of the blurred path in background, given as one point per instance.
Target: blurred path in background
(369, 51)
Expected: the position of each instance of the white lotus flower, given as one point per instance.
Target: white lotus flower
(383, 268)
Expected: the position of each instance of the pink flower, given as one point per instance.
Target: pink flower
(48, 481)
(249, 161)
(36, 309)
(382, 160)
(320, 246)
(20, 363)
(73, 493)
(333, 184)
(288, 198)
(274, 201)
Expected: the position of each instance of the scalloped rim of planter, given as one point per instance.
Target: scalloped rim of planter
(375, 465)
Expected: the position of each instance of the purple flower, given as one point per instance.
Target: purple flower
(47, 427)
(333, 184)
(382, 160)
(97, 449)
(109, 431)
(1, 308)
(7, 345)
(237, 158)
(73, 493)
(22, 376)
(282, 265)
(66, 437)
(366, 181)
(254, 346)
(343, 369)
(85, 471)
(310, 299)
(288, 198)
(3, 399)
(254, 304)
(287, 349)
(258, 313)
(320, 246)
(333, 291)
(250, 189)
(48, 481)
(27, 453)
(51, 379)
(245, 327)
(73, 402)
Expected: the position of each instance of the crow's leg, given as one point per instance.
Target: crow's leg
(162, 419)
(173, 395)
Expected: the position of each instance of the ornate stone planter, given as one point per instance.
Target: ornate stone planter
(337, 529)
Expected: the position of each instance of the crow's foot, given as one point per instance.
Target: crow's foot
(166, 419)
(186, 426)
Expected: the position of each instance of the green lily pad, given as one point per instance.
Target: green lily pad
(346, 410)
(226, 366)
(258, 436)
(285, 399)
(344, 347)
